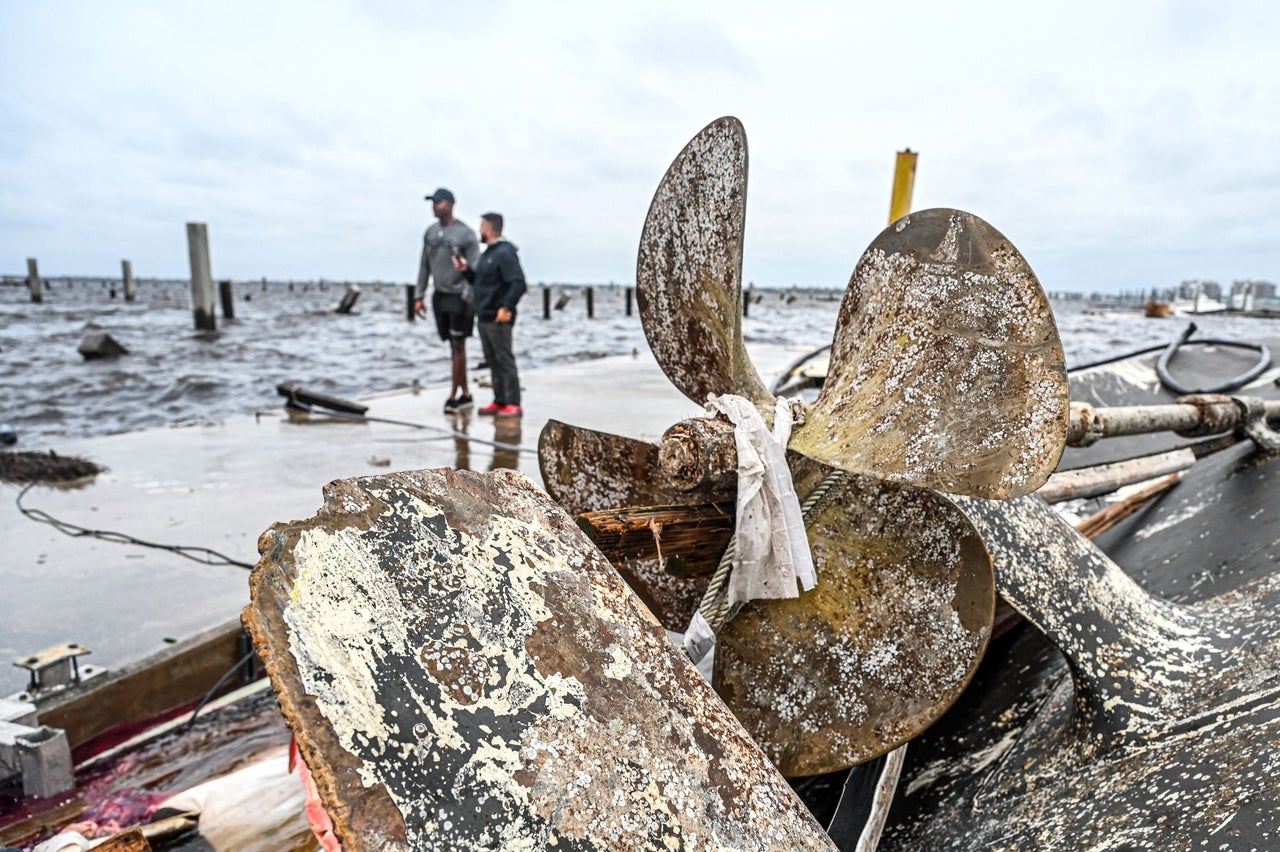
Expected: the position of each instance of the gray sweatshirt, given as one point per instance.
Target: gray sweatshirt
(437, 257)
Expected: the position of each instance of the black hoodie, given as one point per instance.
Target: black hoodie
(497, 279)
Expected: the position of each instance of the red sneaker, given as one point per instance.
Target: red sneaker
(491, 409)
(510, 411)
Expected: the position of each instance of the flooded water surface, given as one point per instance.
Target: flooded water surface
(174, 374)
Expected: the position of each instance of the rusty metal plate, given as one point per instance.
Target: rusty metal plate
(689, 268)
(464, 671)
(879, 648)
(947, 369)
(590, 471)
(1164, 736)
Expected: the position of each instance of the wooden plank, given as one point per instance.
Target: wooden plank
(142, 690)
(1096, 524)
(696, 535)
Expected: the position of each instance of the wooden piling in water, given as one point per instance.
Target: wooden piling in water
(130, 286)
(201, 277)
(33, 281)
(228, 299)
(591, 303)
(348, 299)
(409, 300)
(546, 302)
(628, 301)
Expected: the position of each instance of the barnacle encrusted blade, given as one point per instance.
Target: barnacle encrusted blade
(689, 268)
(591, 471)
(947, 370)
(1164, 736)
(464, 671)
(880, 648)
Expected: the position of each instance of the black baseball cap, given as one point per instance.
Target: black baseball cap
(440, 194)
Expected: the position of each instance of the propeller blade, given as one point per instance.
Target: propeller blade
(1166, 702)
(590, 471)
(947, 368)
(463, 670)
(1142, 666)
(880, 648)
(689, 269)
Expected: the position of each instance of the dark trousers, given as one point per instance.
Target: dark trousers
(495, 338)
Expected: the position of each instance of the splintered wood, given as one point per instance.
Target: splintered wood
(464, 671)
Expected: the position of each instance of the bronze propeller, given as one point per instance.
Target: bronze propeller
(947, 373)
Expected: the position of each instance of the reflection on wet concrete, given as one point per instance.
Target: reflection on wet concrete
(462, 423)
(506, 431)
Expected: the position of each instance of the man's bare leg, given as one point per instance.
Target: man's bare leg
(458, 346)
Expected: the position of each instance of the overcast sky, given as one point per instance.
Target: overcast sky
(1119, 145)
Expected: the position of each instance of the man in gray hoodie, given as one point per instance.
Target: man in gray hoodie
(446, 239)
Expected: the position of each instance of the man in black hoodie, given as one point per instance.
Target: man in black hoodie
(498, 284)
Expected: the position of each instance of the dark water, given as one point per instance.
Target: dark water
(174, 374)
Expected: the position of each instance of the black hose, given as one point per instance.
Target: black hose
(1171, 349)
(447, 433)
(1114, 358)
(208, 695)
(203, 555)
(1162, 365)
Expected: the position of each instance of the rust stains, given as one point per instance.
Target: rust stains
(471, 679)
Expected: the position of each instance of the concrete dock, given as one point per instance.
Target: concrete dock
(222, 484)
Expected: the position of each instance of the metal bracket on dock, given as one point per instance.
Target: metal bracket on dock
(40, 754)
(55, 669)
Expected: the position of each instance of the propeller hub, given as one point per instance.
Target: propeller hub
(697, 452)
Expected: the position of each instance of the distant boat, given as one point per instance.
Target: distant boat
(1201, 304)
(1183, 307)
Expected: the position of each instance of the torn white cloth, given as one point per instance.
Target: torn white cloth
(771, 548)
(67, 841)
(699, 640)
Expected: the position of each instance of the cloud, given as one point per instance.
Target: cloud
(1104, 140)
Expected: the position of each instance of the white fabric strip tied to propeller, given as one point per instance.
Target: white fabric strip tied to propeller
(771, 548)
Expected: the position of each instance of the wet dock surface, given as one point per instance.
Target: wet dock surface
(219, 486)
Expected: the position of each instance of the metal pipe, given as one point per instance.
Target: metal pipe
(1191, 416)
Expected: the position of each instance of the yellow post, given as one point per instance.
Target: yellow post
(904, 181)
